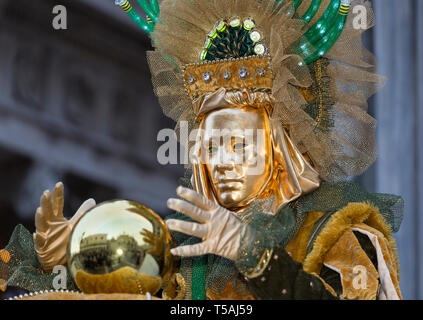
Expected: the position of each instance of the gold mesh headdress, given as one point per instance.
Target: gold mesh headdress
(319, 77)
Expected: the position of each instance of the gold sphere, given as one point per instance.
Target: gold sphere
(120, 246)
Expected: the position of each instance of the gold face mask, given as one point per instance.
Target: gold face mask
(237, 154)
(242, 154)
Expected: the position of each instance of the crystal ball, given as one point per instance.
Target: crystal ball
(120, 246)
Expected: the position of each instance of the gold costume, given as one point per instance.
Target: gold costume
(296, 74)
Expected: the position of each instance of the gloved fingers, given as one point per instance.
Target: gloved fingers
(40, 222)
(190, 250)
(188, 209)
(46, 206)
(87, 205)
(39, 240)
(58, 199)
(197, 199)
(189, 228)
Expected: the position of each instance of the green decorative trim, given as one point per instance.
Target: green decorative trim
(297, 3)
(320, 107)
(329, 39)
(312, 10)
(24, 270)
(155, 7)
(148, 10)
(148, 27)
(321, 37)
(199, 270)
(321, 27)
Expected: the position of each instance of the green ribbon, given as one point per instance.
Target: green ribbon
(199, 270)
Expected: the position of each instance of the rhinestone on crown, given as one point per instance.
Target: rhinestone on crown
(243, 73)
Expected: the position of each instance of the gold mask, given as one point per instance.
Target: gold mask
(237, 153)
(233, 169)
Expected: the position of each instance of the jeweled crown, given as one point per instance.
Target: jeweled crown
(252, 73)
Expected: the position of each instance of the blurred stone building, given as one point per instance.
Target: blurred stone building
(76, 106)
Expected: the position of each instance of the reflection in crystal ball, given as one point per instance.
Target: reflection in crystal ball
(120, 246)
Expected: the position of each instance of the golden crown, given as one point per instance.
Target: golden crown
(252, 73)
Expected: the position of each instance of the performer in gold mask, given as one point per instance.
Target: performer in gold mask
(275, 93)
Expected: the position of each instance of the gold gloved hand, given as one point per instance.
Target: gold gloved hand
(219, 228)
(53, 229)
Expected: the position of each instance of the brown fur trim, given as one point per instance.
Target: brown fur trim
(353, 213)
(297, 247)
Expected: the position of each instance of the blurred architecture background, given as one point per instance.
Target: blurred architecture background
(77, 106)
